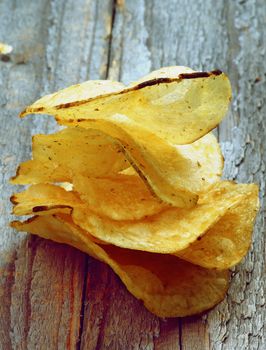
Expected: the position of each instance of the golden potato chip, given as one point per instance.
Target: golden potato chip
(180, 108)
(85, 91)
(162, 73)
(5, 49)
(121, 197)
(163, 166)
(44, 199)
(137, 185)
(195, 166)
(58, 156)
(169, 231)
(176, 174)
(34, 172)
(168, 286)
(228, 241)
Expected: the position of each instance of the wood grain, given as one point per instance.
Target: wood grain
(54, 297)
(42, 282)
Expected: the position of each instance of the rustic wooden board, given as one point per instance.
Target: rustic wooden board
(54, 297)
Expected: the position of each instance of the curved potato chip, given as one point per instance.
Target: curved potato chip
(228, 241)
(69, 151)
(176, 174)
(168, 286)
(167, 232)
(34, 171)
(5, 49)
(44, 199)
(121, 197)
(151, 156)
(162, 73)
(85, 91)
(179, 109)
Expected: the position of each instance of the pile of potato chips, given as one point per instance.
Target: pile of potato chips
(134, 180)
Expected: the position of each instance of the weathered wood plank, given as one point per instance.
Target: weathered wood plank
(113, 318)
(25, 65)
(41, 283)
(194, 333)
(241, 320)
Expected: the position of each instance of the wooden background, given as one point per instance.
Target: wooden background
(53, 296)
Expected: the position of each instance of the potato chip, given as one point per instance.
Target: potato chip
(79, 92)
(167, 168)
(5, 49)
(228, 241)
(163, 166)
(134, 180)
(121, 197)
(162, 73)
(43, 199)
(168, 231)
(168, 286)
(34, 172)
(174, 173)
(69, 151)
(179, 108)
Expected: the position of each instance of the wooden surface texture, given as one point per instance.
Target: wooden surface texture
(53, 296)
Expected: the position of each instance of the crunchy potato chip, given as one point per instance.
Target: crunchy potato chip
(44, 199)
(122, 197)
(162, 73)
(179, 109)
(173, 173)
(85, 91)
(195, 166)
(34, 172)
(168, 286)
(228, 241)
(176, 174)
(167, 232)
(126, 154)
(58, 156)
(5, 49)
(171, 230)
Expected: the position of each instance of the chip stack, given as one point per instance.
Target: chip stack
(134, 180)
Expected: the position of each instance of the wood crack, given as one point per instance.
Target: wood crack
(109, 53)
(83, 302)
(32, 242)
(180, 334)
(106, 298)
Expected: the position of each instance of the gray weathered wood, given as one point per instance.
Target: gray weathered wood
(50, 295)
(41, 282)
